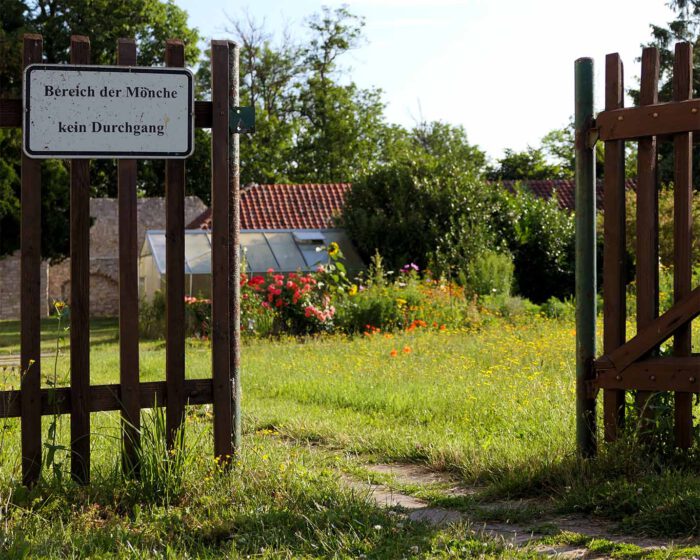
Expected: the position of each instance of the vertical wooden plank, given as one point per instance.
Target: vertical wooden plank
(647, 216)
(222, 397)
(682, 231)
(175, 274)
(80, 298)
(30, 311)
(128, 294)
(614, 311)
(234, 250)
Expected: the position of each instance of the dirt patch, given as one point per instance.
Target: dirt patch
(407, 473)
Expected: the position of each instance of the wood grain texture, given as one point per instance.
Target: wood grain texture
(30, 311)
(221, 375)
(647, 249)
(658, 119)
(128, 292)
(80, 298)
(105, 397)
(175, 274)
(682, 232)
(652, 374)
(657, 331)
(614, 302)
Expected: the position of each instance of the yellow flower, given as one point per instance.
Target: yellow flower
(353, 290)
(333, 249)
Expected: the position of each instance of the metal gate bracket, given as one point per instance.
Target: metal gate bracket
(242, 119)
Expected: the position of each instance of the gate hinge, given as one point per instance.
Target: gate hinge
(242, 119)
(593, 135)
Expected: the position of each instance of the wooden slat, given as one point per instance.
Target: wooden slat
(647, 249)
(223, 410)
(614, 306)
(11, 113)
(128, 291)
(105, 397)
(202, 114)
(656, 332)
(175, 273)
(682, 231)
(658, 119)
(30, 311)
(653, 374)
(80, 298)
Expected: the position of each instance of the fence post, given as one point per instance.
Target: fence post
(220, 196)
(30, 234)
(614, 251)
(682, 234)
(80, 298)
(585, 258)
(128, 294)
(175, 275)
(234, 251)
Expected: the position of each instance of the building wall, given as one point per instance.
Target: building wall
(104, 250)
(10, 281)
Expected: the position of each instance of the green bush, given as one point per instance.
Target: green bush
(424, 212)
(491, 273)
(555, 308)
(152, 317)
(509, 307)
(541, 238)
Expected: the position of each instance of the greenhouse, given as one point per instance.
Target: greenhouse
(281, 250)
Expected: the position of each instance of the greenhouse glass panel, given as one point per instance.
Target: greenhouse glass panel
(156, 240)
(312, 255)
(197, 253)
(258, 254)
(286, 251)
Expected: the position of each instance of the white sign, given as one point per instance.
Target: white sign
(108, 112)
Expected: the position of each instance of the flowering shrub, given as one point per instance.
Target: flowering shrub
(300, 306)
(198, 317)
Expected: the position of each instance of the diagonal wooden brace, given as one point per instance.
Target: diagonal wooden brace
(656, 332)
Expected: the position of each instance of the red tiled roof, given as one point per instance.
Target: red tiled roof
(565, 190)
(314, 205)
(281, 206)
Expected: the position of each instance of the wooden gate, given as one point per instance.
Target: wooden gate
(130, 395)
(635, 364)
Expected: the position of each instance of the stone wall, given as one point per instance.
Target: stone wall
(104, 250)
(10, 282)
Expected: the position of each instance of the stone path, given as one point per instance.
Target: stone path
(512, 533)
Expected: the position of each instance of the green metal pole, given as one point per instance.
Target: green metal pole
(585, 258)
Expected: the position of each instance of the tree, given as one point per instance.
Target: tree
(151, 22)
(427, 204)
(310, 127)
(270, 73)
(530, 164)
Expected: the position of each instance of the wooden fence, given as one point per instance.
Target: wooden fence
(131, 395)
(635, 364)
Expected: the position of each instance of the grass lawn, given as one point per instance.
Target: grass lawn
(494, 407)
